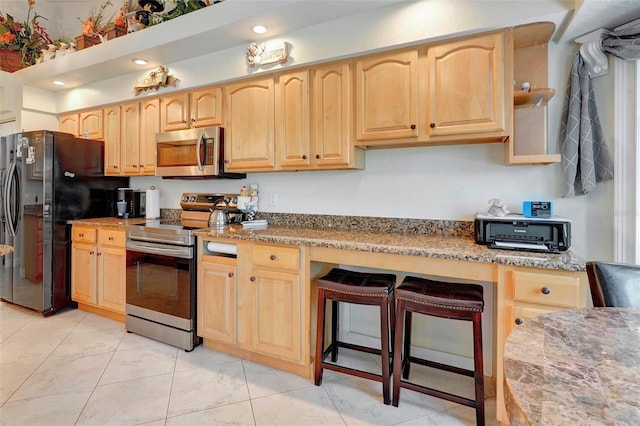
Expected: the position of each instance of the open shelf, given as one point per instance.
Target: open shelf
(533, 97)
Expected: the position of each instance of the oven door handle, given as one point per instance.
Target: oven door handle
(161, 249)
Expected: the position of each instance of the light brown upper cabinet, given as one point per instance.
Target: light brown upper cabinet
(69, 123)
(112, 153)
(249, 125)
(130, 138)
(387, 96)
(467, 89)
(149, 126)
(530, 64)
(197, 108)
(90, 124)
(175, 112)
(293, 119)
(333, 117)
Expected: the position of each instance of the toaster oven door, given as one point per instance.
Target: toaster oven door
(192, 152)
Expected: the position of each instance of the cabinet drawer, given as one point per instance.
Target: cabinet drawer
(276, 257)
(85, 235)
(111, 237)
(546, 289)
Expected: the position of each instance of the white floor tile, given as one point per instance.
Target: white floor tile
(138, 363)
(128, 403)
(200, 388)
(239, 414)
(59, 409)
(12, 377)
(57, 375)
(308, 406)
(27, 351)
(92, 322)
(89, 343)
(202, 357)
(264, 381)
(133, 341)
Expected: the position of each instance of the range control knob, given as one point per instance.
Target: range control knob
(192, 198)
(185, 198)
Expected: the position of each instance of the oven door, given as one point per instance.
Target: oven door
(161, 283)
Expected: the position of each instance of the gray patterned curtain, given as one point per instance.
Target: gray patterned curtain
(624, 44)
(585, 157)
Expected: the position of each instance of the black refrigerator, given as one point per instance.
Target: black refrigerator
(47, 178)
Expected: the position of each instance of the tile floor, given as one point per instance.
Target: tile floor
(77, 368)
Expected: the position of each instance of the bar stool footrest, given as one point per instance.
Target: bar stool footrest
(445, 367)
(438, 394)
(352, 371)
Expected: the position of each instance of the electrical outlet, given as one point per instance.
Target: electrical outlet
(273, 198)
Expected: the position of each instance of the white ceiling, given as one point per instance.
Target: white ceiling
(227, 24)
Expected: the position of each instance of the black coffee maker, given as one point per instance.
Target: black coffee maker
(130, 202)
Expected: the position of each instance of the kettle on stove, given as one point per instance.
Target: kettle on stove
(219, 217)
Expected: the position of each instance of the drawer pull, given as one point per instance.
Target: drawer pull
(272, 257)
(91, 252)
(252, 278)
(110, 238)
(519, 321)
(81, 235)
(546, 290)
(99, 254)
(230, 274)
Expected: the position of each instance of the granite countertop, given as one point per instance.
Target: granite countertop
(575, 367)
(440, 239)
(433, 245)
(5, 249)
(116, 222)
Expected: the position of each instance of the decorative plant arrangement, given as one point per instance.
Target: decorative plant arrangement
(26, 43)
(21, 42)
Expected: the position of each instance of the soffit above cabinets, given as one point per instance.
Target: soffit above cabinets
(205, 31)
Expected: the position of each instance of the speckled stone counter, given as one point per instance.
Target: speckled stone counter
(114, 222)
(579, 367)
(5, 249)
(439, 245)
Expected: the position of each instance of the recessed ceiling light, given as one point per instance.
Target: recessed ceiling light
(140, 62)
(259, 29)
(58, 83)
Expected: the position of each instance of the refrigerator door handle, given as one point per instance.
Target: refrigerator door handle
(12, 202)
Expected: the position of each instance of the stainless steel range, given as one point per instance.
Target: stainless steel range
(162, 272)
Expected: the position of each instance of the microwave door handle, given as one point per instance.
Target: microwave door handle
(199, 143)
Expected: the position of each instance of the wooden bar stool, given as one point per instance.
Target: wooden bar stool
(340, 285)
(445, 300)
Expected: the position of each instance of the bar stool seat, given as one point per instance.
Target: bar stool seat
(362, 288)
(445, 300)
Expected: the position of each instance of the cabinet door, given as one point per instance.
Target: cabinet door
(91, 124)
(111, 278)
(333, 120)
(175, 112)
(293, 119)
(149, 126)
(112, 140)
(217, 300)
(206, 107)
(130, 138)
(387, 96)
(83, 273)
(466, 86)
(69, 123)
(249, 130)
(277, 318)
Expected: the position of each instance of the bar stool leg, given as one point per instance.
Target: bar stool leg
(406, 362)
(478, 367)
(397, 351)
(334, 330)
(384, 333)
(322, 302)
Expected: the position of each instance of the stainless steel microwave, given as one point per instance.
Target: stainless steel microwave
(192, 154)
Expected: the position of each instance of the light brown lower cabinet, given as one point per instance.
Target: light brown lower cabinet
(258, 309)
(98, 270)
